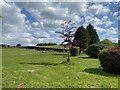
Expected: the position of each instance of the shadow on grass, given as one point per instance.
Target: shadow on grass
(42, 63)
(49, 63)
(64, 55)
(86, 58)
(99, 71)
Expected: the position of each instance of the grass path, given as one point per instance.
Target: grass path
(45, 70)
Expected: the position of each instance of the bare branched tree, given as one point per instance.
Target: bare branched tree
(67, 35)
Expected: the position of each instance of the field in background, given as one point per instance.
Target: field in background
(46, 70)
(53, 46)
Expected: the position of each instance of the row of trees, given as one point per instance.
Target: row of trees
(45, 44)
(86, 36)
(83, 38)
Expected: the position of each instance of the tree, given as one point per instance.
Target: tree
(3, 45)
(93, 36)
(93, 50)
(82, 36)
(67, 35)
(107, 43)
(118, 43)
(18, 45)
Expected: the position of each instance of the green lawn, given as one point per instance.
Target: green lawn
(46, 70)
(53, 46)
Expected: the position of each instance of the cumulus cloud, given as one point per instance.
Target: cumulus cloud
(98, 9)
(105, 0)
(106, 21)
(17, 27)
(117, 14)
(93, 20)
(110, 33)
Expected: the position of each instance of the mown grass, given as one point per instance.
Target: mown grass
(53, 46)
(46, 70)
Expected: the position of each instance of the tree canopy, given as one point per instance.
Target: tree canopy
(107, 43)
(93, 36)
(82, 36)
(86, 37)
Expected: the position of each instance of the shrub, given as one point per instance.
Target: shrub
(45, 44)
(4, 45)
(107, 44)
(74, 51)
(93, 50)
(110, 60)
(18, 45)
(118, 43)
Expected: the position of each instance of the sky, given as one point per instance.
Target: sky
(30, 23)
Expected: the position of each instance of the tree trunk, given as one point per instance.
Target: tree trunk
(68, 59)
(80, 51)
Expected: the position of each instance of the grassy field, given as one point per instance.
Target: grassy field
(53, 46)
(46, 70)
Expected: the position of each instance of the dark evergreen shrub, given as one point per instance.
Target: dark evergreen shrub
(110, 60)
(3, 45)
(93, 50)
(18, 45)
(74, 51)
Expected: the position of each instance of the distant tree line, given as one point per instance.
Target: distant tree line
(45, 44)
(4, 45)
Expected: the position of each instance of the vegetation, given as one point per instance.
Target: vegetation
(46, 44)
(45, 70)
(18, 45)
(110, 60)
(74, 51)
(93, 36)
(67, 35)
(82, 36)
(94, 50)
(107, 44)
(115, 45)
(54, 46)
(86, 37)
(4, 45)
(119, 43)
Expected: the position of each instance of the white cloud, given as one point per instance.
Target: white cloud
(113, 39)
(98, 9)
(106, 21)
(117, 14)
(119, 18)
(49, 16)
(16, 29)
(112, 31)
(35, 24)
(105, 0)
(93, 20)
(100, 30)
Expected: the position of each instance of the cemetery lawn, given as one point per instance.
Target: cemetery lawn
(53, 46)
(46, 70)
